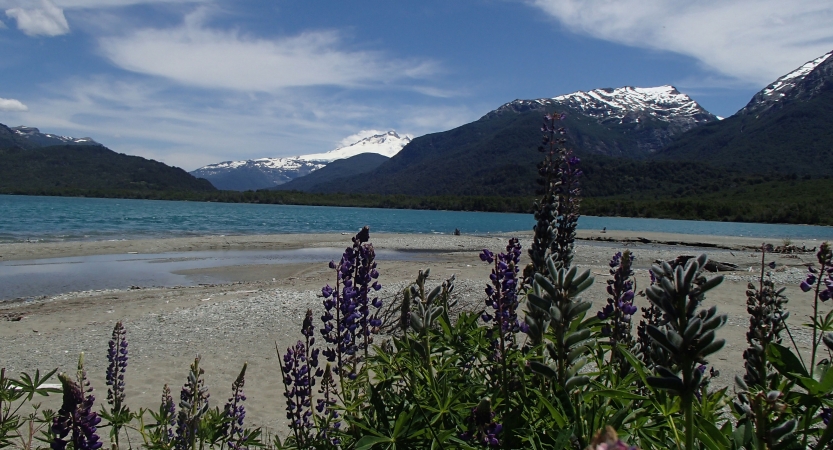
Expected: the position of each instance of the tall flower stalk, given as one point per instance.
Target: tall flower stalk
(76, 421)
(235, 413)
(349, 325)
(820, 282)
(689, 334)
(193, 403)
(118, 414)
(502, 297)
(620, 308)
(300, 370)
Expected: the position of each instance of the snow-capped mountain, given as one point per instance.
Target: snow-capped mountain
(784, 129)
(38, 139)
(625, 104)
(802, 83)
(268, 172)
(626, 121)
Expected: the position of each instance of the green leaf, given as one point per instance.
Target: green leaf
(712, 431)
(785, 361)
(542, 369)
(554, 413)
(367, 442)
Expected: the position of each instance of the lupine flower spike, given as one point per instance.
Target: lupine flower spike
(235, 413)
(348, 321)
(76, 421)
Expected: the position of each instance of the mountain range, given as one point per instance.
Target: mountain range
(787, 127)
(33, 162)
(265, 173)
(643, 143)
(624, 136)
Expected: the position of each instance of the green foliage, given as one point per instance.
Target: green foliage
(89, 167)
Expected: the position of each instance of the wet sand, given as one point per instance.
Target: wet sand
(262, 305)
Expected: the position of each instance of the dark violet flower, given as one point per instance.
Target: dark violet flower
(620, 307)
(76, 421)
(235, 413)
(193, 403)
(502, 292)
(482, 427)
(117, 358)
(825, 415)
(349, 322)
(327, 291)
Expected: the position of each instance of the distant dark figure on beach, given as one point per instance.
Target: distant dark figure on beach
(456, 231)
(604, 230)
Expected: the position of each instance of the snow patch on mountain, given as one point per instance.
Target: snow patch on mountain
(626, 104)
(281, 170)
(33, 134)
(801, 82)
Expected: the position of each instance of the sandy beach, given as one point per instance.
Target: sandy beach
(242, 320)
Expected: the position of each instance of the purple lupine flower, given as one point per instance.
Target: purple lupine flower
(167, 415)
(503, 291)
(821, 279)
(300, 370)
(482, 427)
(620, 308)
(117, 358)
(298, 391)
(326, 408)
(193, 403)
(348, 321)
(76, 421)
(235, 413)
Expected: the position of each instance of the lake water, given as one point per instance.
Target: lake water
(68, 218)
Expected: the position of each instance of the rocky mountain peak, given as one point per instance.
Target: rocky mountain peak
(624, 104)
(802, 83)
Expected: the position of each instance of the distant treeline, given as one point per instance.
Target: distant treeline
(796, 201)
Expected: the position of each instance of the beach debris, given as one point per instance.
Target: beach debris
(786, 249)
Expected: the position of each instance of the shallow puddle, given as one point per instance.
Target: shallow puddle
(35, 278)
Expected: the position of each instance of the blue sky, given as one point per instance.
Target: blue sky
(193, 82)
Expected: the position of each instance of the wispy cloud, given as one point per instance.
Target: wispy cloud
(195, 54)
(184, 127)
(45, 20)
(753, 40)
(10, 104)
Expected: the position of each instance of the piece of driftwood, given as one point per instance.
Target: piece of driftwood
(711, 265)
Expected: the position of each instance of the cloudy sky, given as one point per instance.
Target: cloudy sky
(193, 82)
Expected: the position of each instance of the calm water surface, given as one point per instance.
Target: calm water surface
(64, 218)
(27, 279)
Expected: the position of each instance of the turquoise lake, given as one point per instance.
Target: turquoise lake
(67, 218)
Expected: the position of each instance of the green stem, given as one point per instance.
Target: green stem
(688, 407)
(816, 320)
(761, 425)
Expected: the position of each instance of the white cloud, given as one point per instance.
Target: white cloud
(10, 104)
(190, 128)
(46, 20)
(753, 40)
(196, 55)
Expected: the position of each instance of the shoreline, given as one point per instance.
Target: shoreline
(393, 241)
(262, 306)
